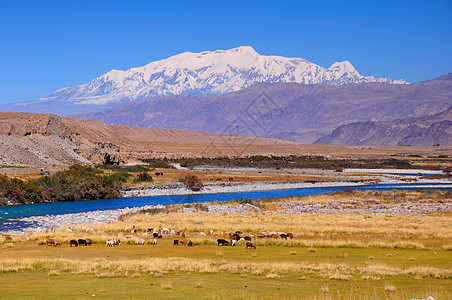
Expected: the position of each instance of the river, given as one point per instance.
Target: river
(8, 214)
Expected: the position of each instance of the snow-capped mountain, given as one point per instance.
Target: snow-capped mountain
(207, 73)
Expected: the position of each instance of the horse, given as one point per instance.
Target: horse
(222, 242)
(250, 245)
(73, 242)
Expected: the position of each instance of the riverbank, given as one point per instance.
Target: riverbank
(394, 203)
(178, 188)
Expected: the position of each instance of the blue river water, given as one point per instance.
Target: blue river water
(20, 211)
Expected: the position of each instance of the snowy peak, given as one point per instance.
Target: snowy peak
(204, 74)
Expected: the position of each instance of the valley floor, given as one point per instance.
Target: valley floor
(347, 254)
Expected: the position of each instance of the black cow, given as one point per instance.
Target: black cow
(73, 242)
(82, 242)
(222, 242)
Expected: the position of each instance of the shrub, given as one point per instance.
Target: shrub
(143, 177)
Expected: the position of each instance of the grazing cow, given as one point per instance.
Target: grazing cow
(110, 243)
(290, 235)
(178, 242)
(222, 242)
(236, 236)
(247, 238)
(82, 242)
(154, 242)
(241, 241)
(50, 242)
(57, 244)
(89, 242)
(190, 243)
(155, 234)
(117, 241)
(283, 236)
(250, 245)
(73, 242)
(233, 243)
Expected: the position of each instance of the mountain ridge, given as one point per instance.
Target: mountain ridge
(421, 131)
(308, 112)
(207, 73)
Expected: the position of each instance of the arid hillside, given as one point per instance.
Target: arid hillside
(45, 140)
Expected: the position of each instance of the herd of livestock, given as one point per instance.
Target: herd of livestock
(235, 238)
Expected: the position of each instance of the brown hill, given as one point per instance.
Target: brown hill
(45, 139)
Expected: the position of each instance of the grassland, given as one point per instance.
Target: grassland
(332, 256)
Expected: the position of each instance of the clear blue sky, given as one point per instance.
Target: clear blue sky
(47, 45)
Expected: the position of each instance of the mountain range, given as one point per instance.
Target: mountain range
(208, 73)
(290, 111)
(427, 130)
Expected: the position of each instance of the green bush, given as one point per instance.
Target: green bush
(143, 177)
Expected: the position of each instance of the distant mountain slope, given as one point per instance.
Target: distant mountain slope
(296, 112)
(422, 131)
(198, 74)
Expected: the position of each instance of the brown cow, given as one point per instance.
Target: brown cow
(89, 242)
(73, 242)
(250, 245)
(290, 235)
(50, 242)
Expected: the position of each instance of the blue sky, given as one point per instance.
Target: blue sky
(47, 45)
